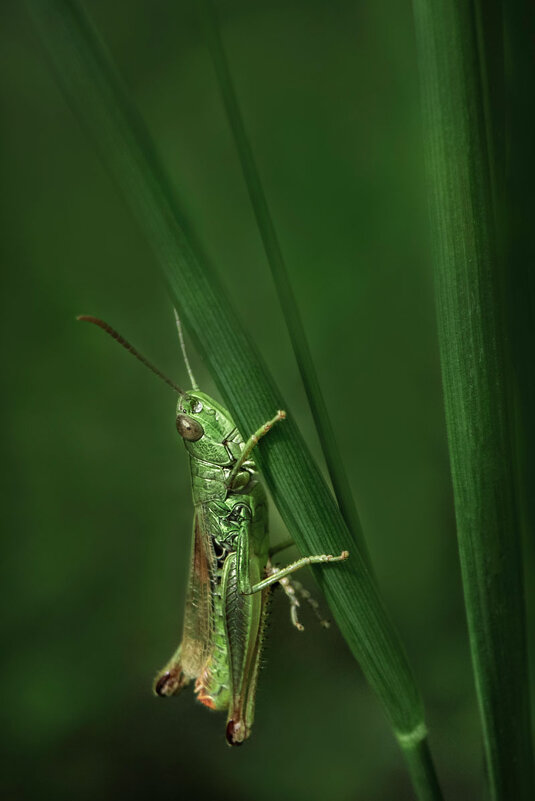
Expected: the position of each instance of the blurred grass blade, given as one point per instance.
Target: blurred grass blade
(275, 258)
(461, 65)
(520, 66)
(97, 95)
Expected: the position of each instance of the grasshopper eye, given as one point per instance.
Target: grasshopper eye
(188, 428)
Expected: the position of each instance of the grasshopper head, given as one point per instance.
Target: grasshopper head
(201, 419)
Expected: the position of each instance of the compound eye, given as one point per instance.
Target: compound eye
(188, 428)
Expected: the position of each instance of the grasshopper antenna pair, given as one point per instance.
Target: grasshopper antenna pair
(87, 318)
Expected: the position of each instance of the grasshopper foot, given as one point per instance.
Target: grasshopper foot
(169, 682)
(330, 558)
(236, 732)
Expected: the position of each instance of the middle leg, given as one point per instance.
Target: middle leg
(286, 571)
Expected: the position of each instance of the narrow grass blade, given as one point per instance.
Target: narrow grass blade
(279, 271)
(99, 99)
(461, 68)
(519, 18)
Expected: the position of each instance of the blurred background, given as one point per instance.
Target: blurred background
(97, 507)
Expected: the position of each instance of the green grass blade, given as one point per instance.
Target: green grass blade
(99, 99)
(279, 271)
(520, 66)
(463, 109)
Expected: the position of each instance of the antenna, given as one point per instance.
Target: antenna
(130, 348)
(194, 384)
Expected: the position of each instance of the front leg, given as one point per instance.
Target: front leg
(251, 442)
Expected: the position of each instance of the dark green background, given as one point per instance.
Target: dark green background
(97, 502)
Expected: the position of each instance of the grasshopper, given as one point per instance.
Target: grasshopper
(231, 572)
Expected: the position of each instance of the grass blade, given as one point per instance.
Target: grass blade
(98, 97)
(281, 279)
(519, 18)
(462, 75)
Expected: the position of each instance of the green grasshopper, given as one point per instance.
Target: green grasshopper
(231, 573)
